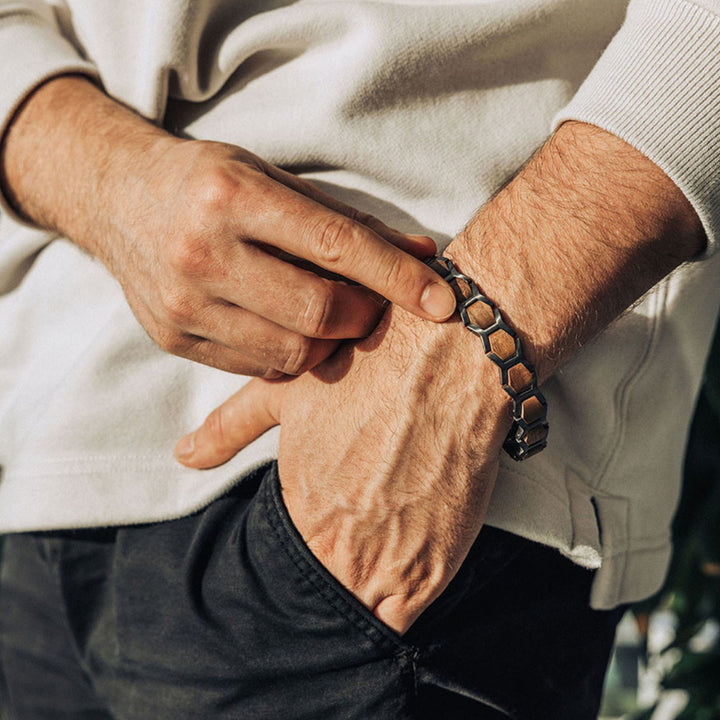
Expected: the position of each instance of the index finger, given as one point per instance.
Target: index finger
(418, 245)
(308, 229)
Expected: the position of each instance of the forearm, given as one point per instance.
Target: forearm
(585, 229)
(409, 424)
(64, 153)
(205, 236)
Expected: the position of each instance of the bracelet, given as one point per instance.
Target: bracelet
(481, 317)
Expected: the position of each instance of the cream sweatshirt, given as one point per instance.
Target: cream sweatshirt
(417, 111)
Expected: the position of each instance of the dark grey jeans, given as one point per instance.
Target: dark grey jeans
(226, 614)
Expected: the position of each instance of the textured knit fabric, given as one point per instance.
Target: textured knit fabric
(416, 111)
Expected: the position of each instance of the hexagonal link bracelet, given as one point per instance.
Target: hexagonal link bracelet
(481, 317)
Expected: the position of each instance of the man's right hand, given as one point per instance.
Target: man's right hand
(208, 240)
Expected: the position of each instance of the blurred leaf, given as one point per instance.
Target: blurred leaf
(699, 675)
(644, 714)
(692, 588)
(692, 711)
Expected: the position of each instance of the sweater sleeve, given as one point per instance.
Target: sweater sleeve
(32, 50)
(657, 86)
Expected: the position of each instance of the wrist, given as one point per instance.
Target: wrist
(471, 382)
(65, 153)
(586, 228)
(481, 317)
(520, 316)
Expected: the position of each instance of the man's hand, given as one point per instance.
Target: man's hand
(220, 254)
(388, 455)
(389, 449)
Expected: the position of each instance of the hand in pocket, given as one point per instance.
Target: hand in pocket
(386, 468)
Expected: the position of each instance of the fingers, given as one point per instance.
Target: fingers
(419, 246)
(209, 353)
(266, 344)
(230, 427)
(303, 227)
(213, 354)
(235, 340)
(295, 298)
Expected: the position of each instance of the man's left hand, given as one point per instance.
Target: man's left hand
(388, 455)
(389, 448)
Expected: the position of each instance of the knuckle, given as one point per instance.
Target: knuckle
(171, 342)
(333, 239)
(318, 311)
(215, 190)
(191, 256)
(177, 307)
(296, 356)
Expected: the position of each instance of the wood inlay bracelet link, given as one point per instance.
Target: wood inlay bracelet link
(481, 317)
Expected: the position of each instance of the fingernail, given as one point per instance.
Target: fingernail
(185, 447)
(438, 301)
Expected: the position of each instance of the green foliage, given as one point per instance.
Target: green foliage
(692, 589)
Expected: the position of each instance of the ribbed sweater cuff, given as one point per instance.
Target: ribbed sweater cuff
(31, 52)
(657, 86)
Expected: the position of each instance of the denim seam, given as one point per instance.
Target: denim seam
(321, 585)
(407, 664)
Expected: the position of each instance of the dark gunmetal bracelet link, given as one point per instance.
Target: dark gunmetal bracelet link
(529, 431)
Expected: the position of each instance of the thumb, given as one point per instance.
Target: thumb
(231, 426)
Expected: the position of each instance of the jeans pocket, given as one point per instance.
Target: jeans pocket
(311, 572)
(492, 554)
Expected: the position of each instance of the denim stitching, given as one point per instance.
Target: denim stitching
(320, 584)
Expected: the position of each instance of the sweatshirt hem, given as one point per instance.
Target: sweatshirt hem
(161, 492)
